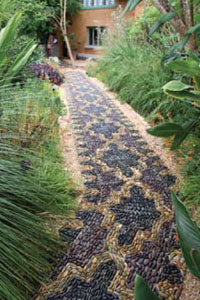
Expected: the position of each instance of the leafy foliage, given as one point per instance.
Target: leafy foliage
(37, 15)
(11, 66)
(167, 17)
(189, 236)
(33, 182)
(134, 72)
(182, 17)
(183, 92)
(142, 291)
(46, 71)
(166, 130)
(131, 5)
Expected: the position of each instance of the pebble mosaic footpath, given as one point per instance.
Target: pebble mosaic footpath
(125, 222)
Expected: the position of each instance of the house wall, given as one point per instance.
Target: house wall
(97, 18)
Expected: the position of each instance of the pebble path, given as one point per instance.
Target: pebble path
(124, 225)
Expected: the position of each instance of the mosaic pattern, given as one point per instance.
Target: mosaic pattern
(152, 262)
(134, 213)
(76, 288)
(125, 223)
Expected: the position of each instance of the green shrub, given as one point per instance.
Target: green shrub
(189, 153)
(33, 184)
(135, 73)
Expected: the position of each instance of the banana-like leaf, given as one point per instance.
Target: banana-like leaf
(180, 137)
(165, 18)
(166, 130)
(189, 236)
(188, 66)
(184, 95)
(20, 62)
(142, 290)
(131, 5)
(180, 90)
(176, 85)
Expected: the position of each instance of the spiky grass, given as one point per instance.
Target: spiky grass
(33, 183)
(135, 73)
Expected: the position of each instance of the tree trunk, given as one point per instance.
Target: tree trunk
(60, 41)
(63, 27)
(68, 48)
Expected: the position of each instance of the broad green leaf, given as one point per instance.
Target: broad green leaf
(193, 56)
(176, 85)
(189, 236)
(180, 137)
(183, 95)
(196, 257)
(188, 66)
(170, 57)
(166, 18)
(142, 290)
(165, 130)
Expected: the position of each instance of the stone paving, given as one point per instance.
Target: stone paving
(125, 224)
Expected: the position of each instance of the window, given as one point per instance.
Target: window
(95, 36)
(98, 3)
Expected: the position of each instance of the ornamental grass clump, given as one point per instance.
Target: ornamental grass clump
(33, 182)
(33, 186)
(25, 246)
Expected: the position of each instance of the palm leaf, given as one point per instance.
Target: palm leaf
(188, 66)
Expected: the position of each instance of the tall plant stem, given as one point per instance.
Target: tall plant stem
(63, 27)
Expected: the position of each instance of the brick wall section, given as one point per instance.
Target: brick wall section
(97, 18)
